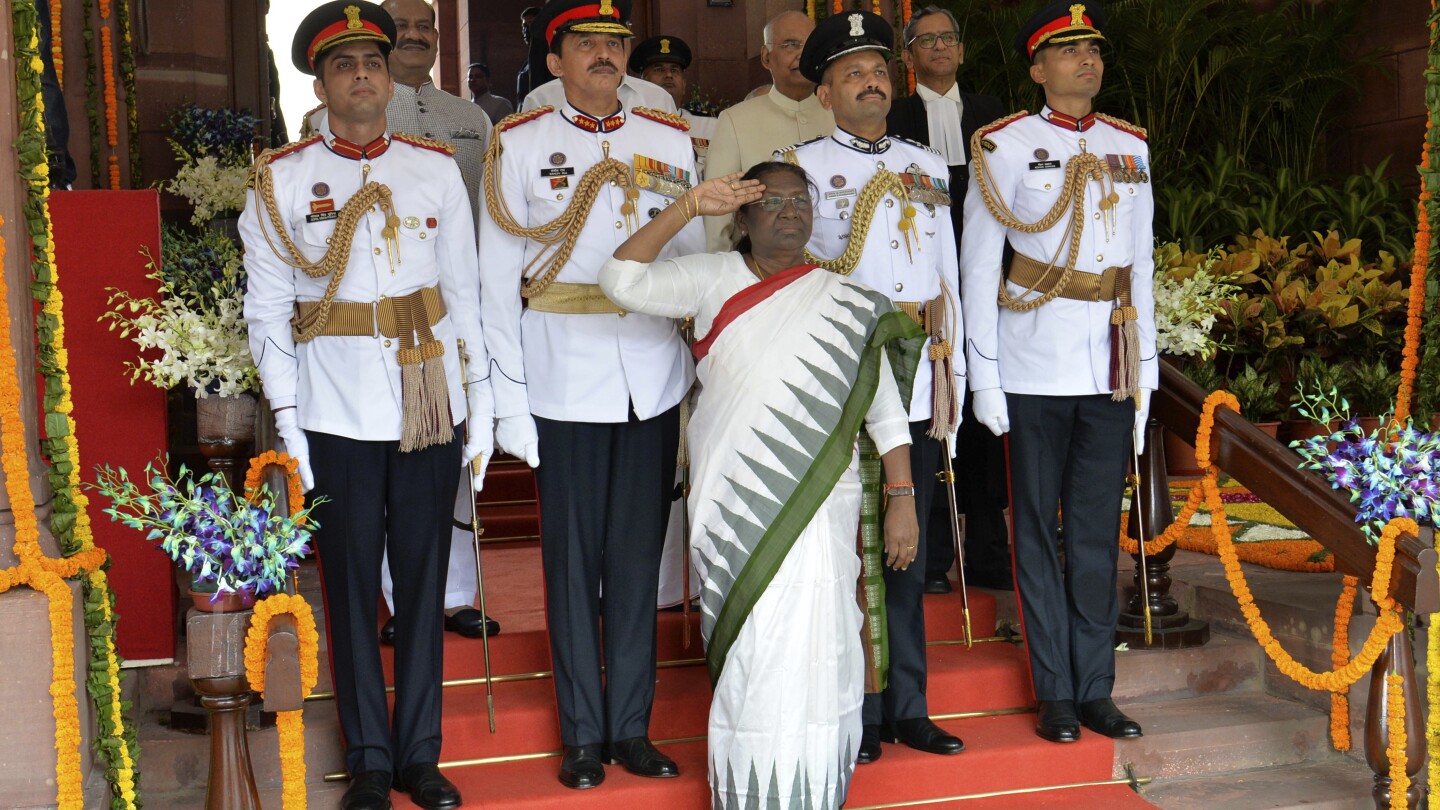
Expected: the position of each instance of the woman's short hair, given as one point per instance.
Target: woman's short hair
(759, 172)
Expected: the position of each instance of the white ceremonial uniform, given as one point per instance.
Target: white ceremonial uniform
(590, 368)
(749, 133)
(350, 386)
(634, 92)
(702, 129)
(1063, 347)
(840, 165)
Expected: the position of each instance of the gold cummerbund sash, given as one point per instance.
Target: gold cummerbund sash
(573, 299)
(353, 319)
(916, 309)
(1106, 286)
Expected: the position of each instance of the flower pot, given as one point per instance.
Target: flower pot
(1369, 424)
(1298, 430)
(1435, 422)
(232, 602)
(1180, 457)
(222, 419)
(1271, 429)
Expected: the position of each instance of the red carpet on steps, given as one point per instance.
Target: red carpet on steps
(1002, 751)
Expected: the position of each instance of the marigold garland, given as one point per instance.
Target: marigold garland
(112, 129)
(295, 492)
(132, 107)
(1410, 354)
(291, 724)
(57, 51)
(1395, 725)
(1340, 656)
(92, 92)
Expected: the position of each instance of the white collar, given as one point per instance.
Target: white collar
(926, 94)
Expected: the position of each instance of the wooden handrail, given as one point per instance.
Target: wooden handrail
(1270, 470)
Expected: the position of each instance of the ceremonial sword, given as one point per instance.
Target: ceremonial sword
(947, 478)
(476, 531)
(1140, 533)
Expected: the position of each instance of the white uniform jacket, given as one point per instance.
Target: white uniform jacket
(702, 129)
(633, 91)
(584, 367)
(350, 386)
(840, 165)
(1063, 347)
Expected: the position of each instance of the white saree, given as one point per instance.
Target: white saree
(789, 367)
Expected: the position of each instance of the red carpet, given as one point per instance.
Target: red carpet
(1002, 751)
(98, 236)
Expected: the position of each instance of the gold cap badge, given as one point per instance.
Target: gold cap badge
(857, 25)
(1077, 14)
(664, 46)
(352, 15)
(606, 8)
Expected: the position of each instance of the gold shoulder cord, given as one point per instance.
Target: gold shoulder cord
(337, 256)
(884, 182)
(1078, 171)
(558, 236)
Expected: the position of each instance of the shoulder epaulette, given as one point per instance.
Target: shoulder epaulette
(1001, 123)
(272, 155)
(916, 144)
(668, 119)
(792, 147)
(306, 130)
(1123, 126)
(424, 143)
(516, 119)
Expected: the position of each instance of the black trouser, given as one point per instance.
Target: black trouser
(980, 496)
(1068, 453)
(904, 695)
(381, 499)
(604, 500)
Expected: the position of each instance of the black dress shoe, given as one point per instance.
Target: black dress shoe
(466, 622)
(922, 734)
(641, 758)
(1057, 721)
(428, 788)
(580, 768)
(387, 632)
(369, 790)
(869, 745)
(937, 583)
(1104, 717)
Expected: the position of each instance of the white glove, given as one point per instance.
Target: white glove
(953, 440)
(479, 448)
(516, 435)
(991, 410)
(1142, 415)
(287, 426)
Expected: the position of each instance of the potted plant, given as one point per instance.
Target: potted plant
(1259, 398)
(1317, 384)
(194, 331)
(1370, 387)
(1387, 473)
(215, 148)
(1190, 291)
(234, 548)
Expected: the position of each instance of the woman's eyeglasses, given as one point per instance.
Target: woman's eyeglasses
(927, 41)
(774, 205)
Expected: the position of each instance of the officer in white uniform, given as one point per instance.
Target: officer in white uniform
(662, 61)
(1064, 360)
(592, 391)
(634, 92)
(909, 254)
(356, 344)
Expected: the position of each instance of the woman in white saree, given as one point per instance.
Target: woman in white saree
(791, 360)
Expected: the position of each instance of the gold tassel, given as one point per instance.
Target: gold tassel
(1127, 351)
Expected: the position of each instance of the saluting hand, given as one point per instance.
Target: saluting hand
(725, 195)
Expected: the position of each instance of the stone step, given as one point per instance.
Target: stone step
(1218, 734)
(1226, 664)
(1338, 785)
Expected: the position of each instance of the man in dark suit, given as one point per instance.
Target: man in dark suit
(943, 117)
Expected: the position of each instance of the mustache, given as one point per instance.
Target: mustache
(877, 92)
(404, 43)
(601, 65)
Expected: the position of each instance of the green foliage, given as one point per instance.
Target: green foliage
(1258, 395)
(1317, 391)
(1370, 386)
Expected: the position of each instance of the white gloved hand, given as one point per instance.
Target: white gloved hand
(1142, 415)
(287, 427)
(479, 448)
(992, 411)
(516, 435)
(953, 440)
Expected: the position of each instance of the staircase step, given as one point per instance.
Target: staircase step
(1340, 785)
(1086, 797)
(1226, 664)
(1003, 753)
(1219, 733)
(507, 522)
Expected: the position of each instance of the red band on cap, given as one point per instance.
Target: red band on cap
(588, 11)
(334, 30)
(1058, 25)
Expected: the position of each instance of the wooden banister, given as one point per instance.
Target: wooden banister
(1269, 470)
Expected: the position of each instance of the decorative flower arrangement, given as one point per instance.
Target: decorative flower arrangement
(1389, 473)
(238, 544)
(215, 150)
(1189, 289)
(197, 324)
